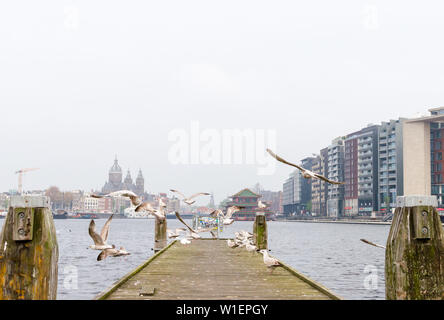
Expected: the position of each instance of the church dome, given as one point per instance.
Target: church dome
(115, 168)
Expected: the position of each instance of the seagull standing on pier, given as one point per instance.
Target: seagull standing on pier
(307, 174)
(100, 239)
(231, 243)
(189, 199)
(270, 262)
(250, 247)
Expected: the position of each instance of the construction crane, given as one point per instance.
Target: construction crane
(20, 177)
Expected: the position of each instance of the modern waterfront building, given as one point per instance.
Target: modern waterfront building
(292, 195)
(436, 155)
(335, 201)
(288, 195)
(361, 172)
(306, 196)
(390, 164)
(316, 188)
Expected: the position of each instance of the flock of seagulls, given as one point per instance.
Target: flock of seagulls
(244, 239)
(107, 250)
(186, 235)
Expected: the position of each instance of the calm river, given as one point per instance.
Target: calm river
(330, 254)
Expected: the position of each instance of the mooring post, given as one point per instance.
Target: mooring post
(414, 257)
(260, 235)
(160, 234)
(28, 251)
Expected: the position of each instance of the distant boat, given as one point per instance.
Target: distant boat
(184, 216)
(84, 216)
(63, 215)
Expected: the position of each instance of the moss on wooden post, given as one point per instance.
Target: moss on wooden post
(414, 262)
(260, 234)
(28, 252)
(160, 234)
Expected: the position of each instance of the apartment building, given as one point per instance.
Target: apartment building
(361, 172)
(335, 201)
(390, 164)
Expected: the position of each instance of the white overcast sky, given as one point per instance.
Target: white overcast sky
(81, 81)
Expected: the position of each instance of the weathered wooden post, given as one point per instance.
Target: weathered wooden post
(414, 261)
(260, 235)
(28, 251)
(160, 234)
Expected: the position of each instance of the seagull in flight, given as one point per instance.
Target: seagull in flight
(227, 220)
(193, 233)
(147, 207)
(307, 174)
(135, 200)
(189, 200)
(172, 234)
(112, 252)
(100, 239)
(372, 244)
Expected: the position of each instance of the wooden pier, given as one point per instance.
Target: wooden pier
(207, 269)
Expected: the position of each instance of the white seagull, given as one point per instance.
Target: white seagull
(227, 220)
(231, 243)
(147, 207)
(261, 205)
(250, 247)
(307, 174)
(270, 262)
(100, 239)
(193, 233)
(135, 200)
(188, 200)
(186, 240)
(175, 233)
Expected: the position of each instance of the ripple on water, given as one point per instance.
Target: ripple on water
(330, 254)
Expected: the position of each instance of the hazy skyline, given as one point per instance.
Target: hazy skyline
(83, 81)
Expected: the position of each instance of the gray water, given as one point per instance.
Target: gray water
(330, 254)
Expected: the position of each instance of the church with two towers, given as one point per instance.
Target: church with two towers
(115, 182)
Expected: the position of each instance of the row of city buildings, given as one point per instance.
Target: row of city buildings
(370, 162)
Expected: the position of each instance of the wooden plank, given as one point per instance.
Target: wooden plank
(209, 269)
